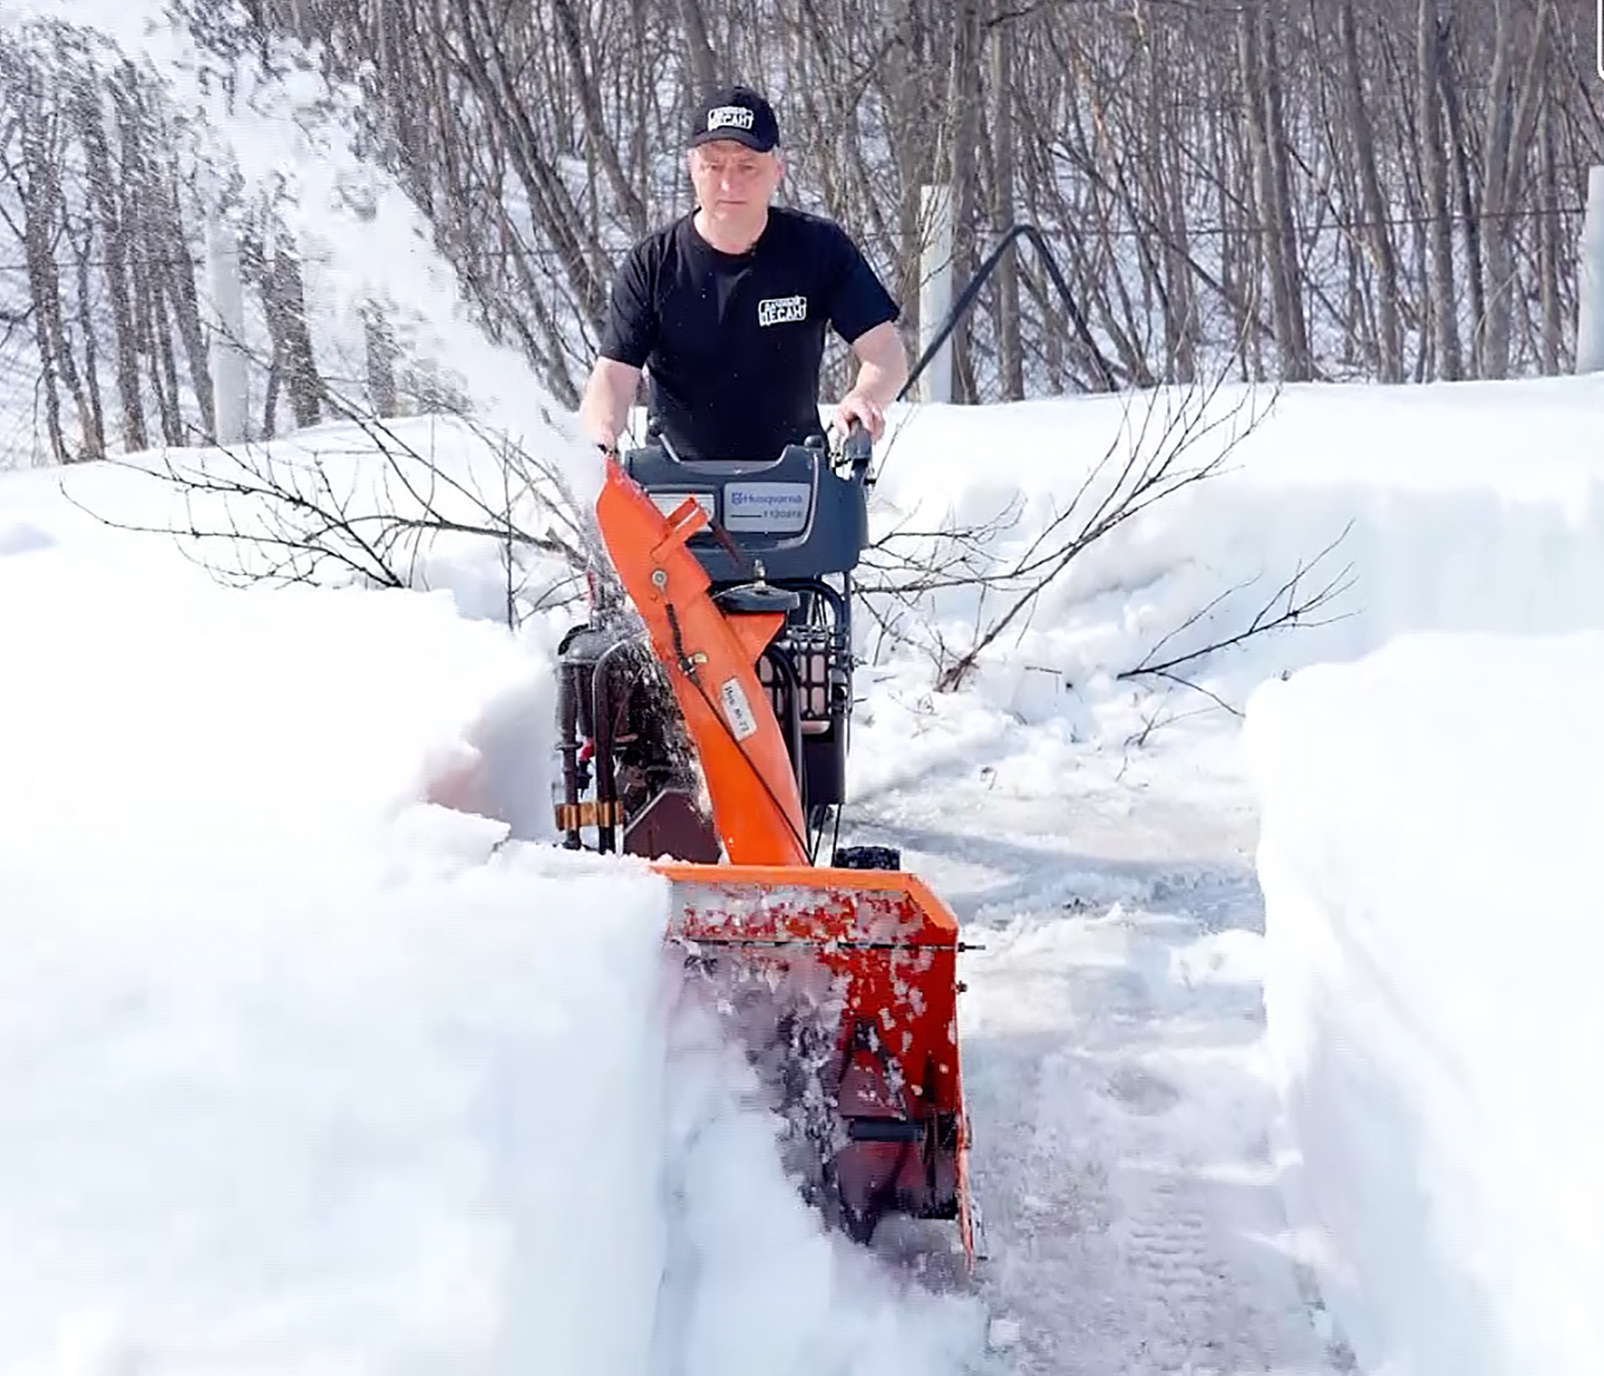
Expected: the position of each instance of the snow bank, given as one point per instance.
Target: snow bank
(281, 1043)
(1467, 507)
(432, 502)
(300, 1071)
(1431, 817)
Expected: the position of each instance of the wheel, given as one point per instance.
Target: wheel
(859, 1224)
(867, 858)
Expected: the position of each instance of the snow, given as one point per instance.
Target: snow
(272, 1061)
(1457, 507)
(1418, 1191)
(364, 1054)
(303, 1071)
(316, 1054)
(1430, 818)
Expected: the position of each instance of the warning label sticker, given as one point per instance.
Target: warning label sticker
(737, 710)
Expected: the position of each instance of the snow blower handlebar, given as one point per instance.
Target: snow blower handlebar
(857, 452)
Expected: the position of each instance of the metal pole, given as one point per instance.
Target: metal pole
(935, 289)
(1590, 279)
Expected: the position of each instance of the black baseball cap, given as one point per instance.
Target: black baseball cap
(739, 113)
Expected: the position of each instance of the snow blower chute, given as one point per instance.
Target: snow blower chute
(710, 727)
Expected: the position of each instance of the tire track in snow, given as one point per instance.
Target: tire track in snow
(1121, 1155)
(1192, 1313)
(1177, 1284)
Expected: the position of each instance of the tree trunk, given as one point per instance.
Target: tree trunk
(1378, 233)
(964, 96)
(1453, 107)
(95, 437)
(380, 354)
(1009, 350)
(178, 271)
(703, 62)
(1548, 249)
(1274, 215)
(598, 139)
(114, 234)
(1284, 225)
(165, 361)
(287, 307)
(1511, 116)
(40, 190)
(1434, 180)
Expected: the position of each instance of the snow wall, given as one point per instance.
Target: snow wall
(1452, 507)
(1427, 855)
(302, 1072)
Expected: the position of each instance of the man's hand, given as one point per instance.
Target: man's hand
(883, 369)
(860, 406)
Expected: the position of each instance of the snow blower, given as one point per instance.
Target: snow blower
(703, 722)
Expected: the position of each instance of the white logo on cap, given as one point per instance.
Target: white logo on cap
(728, 116)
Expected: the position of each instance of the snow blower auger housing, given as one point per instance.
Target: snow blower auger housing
(704, 727)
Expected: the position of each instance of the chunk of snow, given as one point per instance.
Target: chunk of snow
(18, 537)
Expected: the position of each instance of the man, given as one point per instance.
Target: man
(726, 308)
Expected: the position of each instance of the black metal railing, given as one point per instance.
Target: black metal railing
(971, 292)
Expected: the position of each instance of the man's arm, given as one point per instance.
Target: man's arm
(608, 396)
(882, 369)
(628, 335)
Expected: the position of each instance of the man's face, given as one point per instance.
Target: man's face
(733, 181)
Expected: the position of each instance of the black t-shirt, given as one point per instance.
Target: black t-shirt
(733, 343)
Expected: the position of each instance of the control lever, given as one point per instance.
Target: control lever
(857, 451)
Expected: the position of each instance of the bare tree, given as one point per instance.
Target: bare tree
(1430, 78)
(1354, 190)
(372, 513)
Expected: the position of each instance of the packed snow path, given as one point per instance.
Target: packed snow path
(1122, 1159)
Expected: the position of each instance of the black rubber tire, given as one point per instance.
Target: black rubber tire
(859, 1224)
(867, 858)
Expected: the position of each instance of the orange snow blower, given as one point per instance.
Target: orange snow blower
(704, 726)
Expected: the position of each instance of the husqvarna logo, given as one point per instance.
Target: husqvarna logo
(769, 507)
(782, 310)
(729, 117)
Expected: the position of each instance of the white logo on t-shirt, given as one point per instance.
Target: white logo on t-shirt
(727, 116)
(782, 310)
